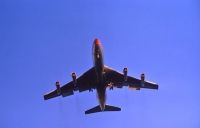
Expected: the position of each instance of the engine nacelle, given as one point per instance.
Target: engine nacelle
(142, 79)
(58, 87)
(90, 90)
(111, 87)
(125, 71)
(74, 78)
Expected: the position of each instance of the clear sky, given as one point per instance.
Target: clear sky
(42, 41)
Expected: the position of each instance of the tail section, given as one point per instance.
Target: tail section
(98, 109)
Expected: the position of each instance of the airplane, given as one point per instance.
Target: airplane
(100, 77)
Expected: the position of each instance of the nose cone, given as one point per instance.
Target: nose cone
(97, 42)
(97, 47)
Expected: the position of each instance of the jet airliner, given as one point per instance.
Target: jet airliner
(100, 77)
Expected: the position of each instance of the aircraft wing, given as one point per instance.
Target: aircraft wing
(87, 81)
(116, 79)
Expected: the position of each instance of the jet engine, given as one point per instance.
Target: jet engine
(58, 87)
(74, 78)
(142, 79)
(90, 90)
(125, 71)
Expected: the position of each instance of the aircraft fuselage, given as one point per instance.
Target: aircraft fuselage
(99, 68)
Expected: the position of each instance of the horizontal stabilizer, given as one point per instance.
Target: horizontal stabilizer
(98, 109)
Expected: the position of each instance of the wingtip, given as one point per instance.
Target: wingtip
(45, 97)
(157, 87)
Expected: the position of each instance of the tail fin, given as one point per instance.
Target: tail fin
(98, 109)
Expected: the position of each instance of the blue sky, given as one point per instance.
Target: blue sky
(42, 41)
